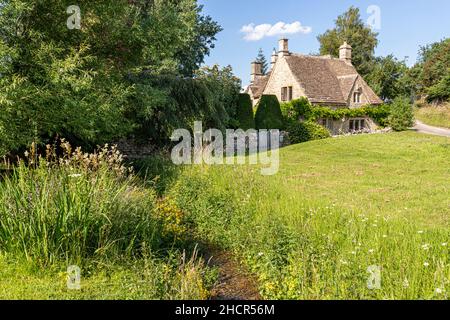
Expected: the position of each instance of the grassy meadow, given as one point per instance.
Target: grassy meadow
(336, 208)
(434, 116)
(87, 210)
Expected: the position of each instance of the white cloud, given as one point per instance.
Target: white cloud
(255, 33)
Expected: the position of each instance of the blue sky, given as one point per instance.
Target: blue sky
(405, 26)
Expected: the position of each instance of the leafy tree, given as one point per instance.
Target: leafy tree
(351, 28)
(388, 78)
(401, 114)
(268, 114)
(81, 84)
(224, 88)
(440, 91)
(435, 60)
(261, 58)
(245, 114)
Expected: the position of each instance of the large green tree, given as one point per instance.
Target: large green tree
(79, 83)
(351, 28)
(389, 78)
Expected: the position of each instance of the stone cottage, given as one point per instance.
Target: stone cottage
(324, 80)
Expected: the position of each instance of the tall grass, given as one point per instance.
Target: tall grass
(312, 252)
(79, 207)
(71, 208)
(302, 245)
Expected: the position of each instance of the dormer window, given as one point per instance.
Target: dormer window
(357, 96)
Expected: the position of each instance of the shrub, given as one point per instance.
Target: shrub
(306, 131)
(268, 114)
(244, 112)
(401, 115)
(297, 109)
(441, 91)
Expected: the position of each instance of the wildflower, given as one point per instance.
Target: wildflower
(426, 247)
(444, 244)
(385, 236)
(420, 232)
(260, 254)
(371, 251)
(77, 175)
(439, 291)
(426, 264)
(354, 253)
(406, 283)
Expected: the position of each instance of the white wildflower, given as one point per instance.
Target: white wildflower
(426, 247)
(426, 264)
(406, 283)
(439, 291)
(76, 175)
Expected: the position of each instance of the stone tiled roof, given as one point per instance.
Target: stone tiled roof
(327, 80)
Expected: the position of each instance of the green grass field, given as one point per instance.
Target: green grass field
(336, 208)
(434, 116)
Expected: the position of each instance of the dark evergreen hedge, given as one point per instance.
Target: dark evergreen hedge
(268, 114)
(244, 112)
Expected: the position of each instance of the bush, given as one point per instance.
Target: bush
(268, 114)
(441, 91)
(306, 131)
(244, 112)
(401, 116)
(296, 109)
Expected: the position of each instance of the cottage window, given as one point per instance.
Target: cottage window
(357, 97)
(284, 93)
(357, 125)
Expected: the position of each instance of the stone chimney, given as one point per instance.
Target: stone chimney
(283, 47)
(274, 58)
(256, 71)
(345, 52)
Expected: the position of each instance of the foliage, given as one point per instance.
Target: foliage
(89, 210)
(401, 115)
(351, 28)
(388, 78)
(306, 131)
(261, 58)
(441, 90)
(224, 88)
(245, 114)
(81, 84)
(434, 59)
(302, 109)
(268, 113)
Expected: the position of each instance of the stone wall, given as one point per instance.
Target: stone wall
(135, 150)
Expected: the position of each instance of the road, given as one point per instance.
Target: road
(423, 128)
